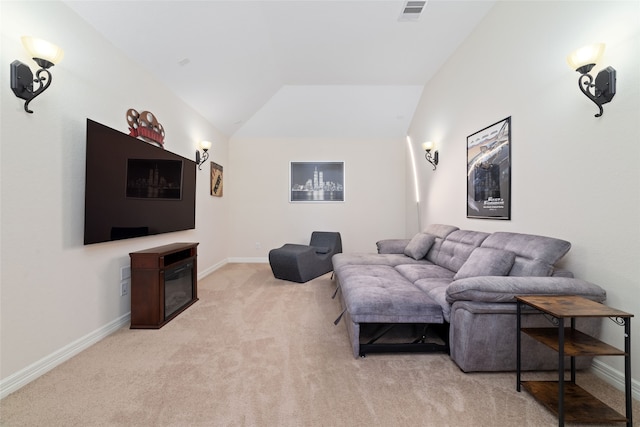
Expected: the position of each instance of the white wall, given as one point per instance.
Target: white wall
(574, 176)
(258, 191)
(54, 290)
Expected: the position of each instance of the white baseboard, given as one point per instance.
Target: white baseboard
(257, 260)
(204, 273)
(614, 377)
(25, 376)
(254, 260)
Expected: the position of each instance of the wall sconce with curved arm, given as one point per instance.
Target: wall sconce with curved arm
(201, 158)
(431, 158)
(46, 55)
(604, 86)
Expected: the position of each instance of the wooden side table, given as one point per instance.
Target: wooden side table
(565, 398)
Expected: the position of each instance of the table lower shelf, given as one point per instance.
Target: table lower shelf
(579, 405)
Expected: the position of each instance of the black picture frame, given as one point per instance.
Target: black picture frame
(489, 172)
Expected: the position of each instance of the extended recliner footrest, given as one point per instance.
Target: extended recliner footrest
(420, 344)
(403, 348)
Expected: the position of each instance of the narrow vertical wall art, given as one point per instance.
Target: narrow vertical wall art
(216, 180)
(489, 172)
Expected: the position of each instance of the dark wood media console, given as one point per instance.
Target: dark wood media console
(163, 284)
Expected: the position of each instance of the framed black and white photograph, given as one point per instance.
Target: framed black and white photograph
(316, 182)
(489, 172)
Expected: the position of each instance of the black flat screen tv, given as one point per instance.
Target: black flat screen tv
(134, 188)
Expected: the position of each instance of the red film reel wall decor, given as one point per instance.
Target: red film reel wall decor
(145, 126)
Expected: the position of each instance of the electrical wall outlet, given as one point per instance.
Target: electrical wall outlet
(125, 272)
(258, 245)
(124, 288)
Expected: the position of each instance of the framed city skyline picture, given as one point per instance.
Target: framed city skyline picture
(316, 182)
(489, 172)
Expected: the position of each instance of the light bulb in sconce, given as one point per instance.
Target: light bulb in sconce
(585, 58)
(201, 158)
(427, 146)
(43, 53)
(431, 158)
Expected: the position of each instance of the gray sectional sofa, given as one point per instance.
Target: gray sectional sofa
(461, 283)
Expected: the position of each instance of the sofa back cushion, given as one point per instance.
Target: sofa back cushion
(535, 255)
(440, 230)
(453, 251)
(486, 262)
(397, 246)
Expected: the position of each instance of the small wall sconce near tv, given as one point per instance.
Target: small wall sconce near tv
(201, 158)
(46, 55)
(431, 158)
(603, 88)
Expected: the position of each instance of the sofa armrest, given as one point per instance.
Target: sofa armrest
(392, 246)
(506, 288)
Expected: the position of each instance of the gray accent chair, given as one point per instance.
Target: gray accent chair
(301, 263)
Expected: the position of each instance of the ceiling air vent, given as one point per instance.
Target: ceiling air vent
(412, 10)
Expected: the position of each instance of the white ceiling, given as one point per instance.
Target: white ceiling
(290, 68)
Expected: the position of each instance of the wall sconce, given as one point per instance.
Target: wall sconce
(46, 55)
(433, 159)
(201, 158)
(604, 86)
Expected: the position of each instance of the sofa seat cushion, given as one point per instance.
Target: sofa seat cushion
(380, 294)
(415, 272)
(486, 262)
(364, 259)
(436, 289)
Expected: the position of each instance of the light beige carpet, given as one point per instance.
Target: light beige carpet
(257, 351)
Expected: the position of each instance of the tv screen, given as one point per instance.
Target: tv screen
(133, 188)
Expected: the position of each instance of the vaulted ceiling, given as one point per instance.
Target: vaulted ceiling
(306, 68)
